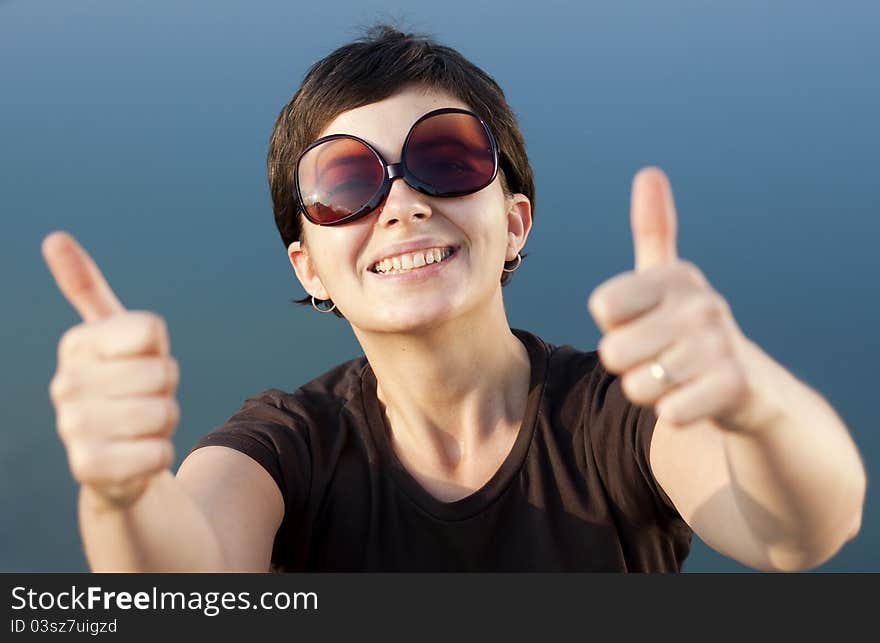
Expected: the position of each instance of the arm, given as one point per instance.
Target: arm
(115, 406)
(756, 462)
(163, 530)
(219, 514)
(783, 494)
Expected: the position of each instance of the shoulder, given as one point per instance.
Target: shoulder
(324, 394)
(285, 430)
(569, 370)
(276, 421)
(576, 376)
(338, 386)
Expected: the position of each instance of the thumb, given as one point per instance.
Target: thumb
(79, 278)
(653, 221)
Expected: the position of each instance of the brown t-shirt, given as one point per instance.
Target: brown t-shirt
(575, 493)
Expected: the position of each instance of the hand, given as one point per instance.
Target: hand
(113, 390)
(669, 334)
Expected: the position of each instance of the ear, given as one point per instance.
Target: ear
(305, 270)
(519, 223)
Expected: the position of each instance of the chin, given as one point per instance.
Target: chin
(403, 319)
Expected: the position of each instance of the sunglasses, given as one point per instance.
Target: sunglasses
(448, 152)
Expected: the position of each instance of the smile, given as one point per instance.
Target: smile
(414, 272)
(411, 261)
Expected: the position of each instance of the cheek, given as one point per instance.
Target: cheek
(481, 212)
(339, 252)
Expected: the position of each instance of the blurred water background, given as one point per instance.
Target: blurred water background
(141, 127)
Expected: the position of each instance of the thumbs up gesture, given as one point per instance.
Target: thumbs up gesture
(113, 390)
(667, 332)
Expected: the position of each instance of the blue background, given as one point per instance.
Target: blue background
(141, 127)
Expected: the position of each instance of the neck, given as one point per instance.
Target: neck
(452, 389)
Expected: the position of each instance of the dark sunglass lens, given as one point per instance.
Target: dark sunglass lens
(337, 178)
(450, 154)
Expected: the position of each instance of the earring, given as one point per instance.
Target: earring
(322, 310)
(518, 261)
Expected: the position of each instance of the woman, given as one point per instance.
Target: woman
(404, 197)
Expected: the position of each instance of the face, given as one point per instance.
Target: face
(484, 230)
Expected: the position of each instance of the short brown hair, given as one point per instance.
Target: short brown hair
(371, 69)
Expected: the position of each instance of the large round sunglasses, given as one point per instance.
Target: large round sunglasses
(448, 152)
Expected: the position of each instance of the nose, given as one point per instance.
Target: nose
(403, 203)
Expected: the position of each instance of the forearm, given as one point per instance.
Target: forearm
(163, 530)
(796, 473)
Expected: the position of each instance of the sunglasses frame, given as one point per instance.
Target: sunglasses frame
(396, 170)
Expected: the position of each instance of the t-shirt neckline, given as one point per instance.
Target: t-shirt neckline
(481, 498)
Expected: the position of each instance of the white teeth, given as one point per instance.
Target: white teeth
(403, 263)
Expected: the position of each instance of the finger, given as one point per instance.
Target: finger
(115, 379)
(712, 394)
(627, 344)
(653, 220)
(130, 418)
(118, 463)
(623, 298)
(79, 278)
(683, 362)
(128, 334)
(633, 343)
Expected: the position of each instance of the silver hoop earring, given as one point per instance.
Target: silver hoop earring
(518, 261)
(322, 310)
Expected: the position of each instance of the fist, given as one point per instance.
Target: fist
(667, 332)
(114, 387)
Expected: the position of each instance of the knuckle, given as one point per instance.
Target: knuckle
(142, 319)
(83, 462)
(61, 386)
(69, 342)
(719, 302)
(597, 305)
(677, 272)
(149, 325)
(71, 420)
(158, 326)
(709, 308)
(691, 272)
(172, 373)
(608, 353)
(629, 382)
(172, 414)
